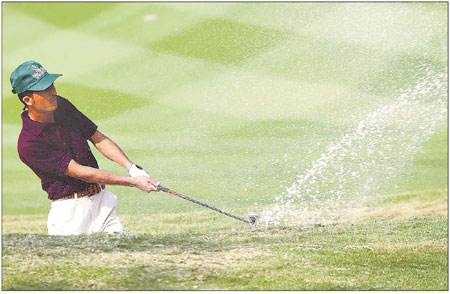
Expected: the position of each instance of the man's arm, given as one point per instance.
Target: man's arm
(94, 175)
(110, 149)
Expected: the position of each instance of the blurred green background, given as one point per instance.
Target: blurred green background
(225, 102)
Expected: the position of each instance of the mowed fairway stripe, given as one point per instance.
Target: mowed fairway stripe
(140, 23)
(76, 54)
(162, 71)
(140, 87)
(14, 36)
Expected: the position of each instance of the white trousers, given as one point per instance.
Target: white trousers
(85, 215)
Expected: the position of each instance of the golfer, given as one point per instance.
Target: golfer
(53, 143)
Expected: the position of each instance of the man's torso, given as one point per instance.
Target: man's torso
(48, 148)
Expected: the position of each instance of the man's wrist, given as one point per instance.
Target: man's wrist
(136, 171)
(132, 181)
(128, 165)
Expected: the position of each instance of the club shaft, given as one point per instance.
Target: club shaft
(161, 188)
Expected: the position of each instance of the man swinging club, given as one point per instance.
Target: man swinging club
(53, 143)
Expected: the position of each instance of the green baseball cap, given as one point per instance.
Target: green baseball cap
(31, 76)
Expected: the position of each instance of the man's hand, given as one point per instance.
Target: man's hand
(136, 171)
(146, 184)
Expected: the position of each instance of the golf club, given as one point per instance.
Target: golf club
(253, 218)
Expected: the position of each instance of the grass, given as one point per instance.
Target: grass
(206, 251)
(290, 258)
(229, 103)
(234, 41)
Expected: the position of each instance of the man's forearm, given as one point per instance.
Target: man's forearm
(110, 150)
(113, 152)
(94, 175)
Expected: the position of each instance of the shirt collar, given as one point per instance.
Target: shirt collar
(34, 127)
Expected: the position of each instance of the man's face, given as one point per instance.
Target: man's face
(44, 101)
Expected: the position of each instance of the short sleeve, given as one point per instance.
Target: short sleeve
(82, 122)
(45, 159)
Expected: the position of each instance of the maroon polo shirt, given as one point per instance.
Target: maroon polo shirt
(47, 148)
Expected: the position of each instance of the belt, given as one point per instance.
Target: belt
(90, 191)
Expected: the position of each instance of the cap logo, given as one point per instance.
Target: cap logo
(38, 71)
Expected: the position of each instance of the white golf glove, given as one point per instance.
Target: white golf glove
(136, 171)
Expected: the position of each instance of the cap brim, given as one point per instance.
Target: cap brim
(45, 82)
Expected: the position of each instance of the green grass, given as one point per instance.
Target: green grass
(65, 15)
(232, 42)
(228, 103)
(206, 251)
(407, 255)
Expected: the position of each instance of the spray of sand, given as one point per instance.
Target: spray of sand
(373, 153)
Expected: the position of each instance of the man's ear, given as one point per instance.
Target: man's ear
(28, 100)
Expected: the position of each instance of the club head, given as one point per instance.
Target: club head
(253, 219)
